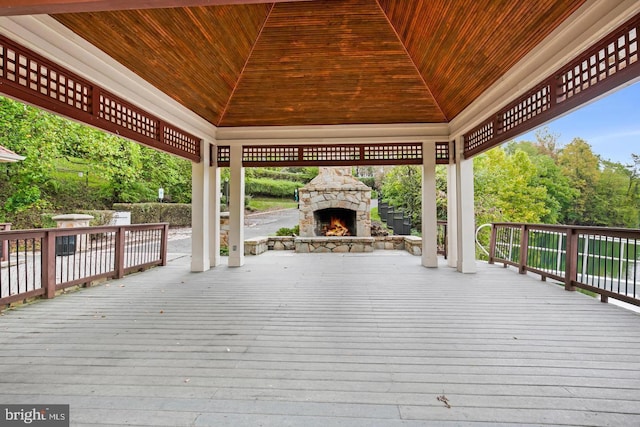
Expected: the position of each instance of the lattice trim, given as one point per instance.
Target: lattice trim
(260, 154)
(32, 78)
(442, 152)
(117, 112)
(181, 141)
(609, 63)
(39, 77)
(393, 152)
(599, 63)
(525, 109)
(224, 155)
(333, 155)
(478, 137)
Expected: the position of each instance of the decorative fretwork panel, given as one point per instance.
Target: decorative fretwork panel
(117, 112)
(333, 155)
(224, 155)
(400, 152)
(259, 154)
(479, 136)
(599, 63)
(442, 152)
(39, 77)
(32, 78)
(526, 108)
(608, 64)
(181, 141)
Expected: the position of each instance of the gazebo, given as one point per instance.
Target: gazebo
(330, 82)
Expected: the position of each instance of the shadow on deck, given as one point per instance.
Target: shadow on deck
(325, 339)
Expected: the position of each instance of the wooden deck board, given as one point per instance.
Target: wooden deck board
(325, 339)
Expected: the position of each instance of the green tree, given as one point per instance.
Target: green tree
(171, 173)
(616, 202)
(30, 133)
(507, 188)
(402, 188)
(543, 154)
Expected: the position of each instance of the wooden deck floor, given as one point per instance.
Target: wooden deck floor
(323, 340)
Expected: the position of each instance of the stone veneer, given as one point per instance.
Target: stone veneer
(335, 188)
(260, 245)
(314, 245)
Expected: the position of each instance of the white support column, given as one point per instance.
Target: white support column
(452, 213)
(214, 210)
(465, 209)
(429, 214)
(200, 211)
(236, 208)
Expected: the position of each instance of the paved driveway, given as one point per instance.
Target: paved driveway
(262, 224)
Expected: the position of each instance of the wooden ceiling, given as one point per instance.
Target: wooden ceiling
(324, 62)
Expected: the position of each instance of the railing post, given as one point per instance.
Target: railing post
(524, 249)
(4, 245)
(492, 244)
(446, 241)
(571, 261)
(48, 265)
(163, 244)
(120, 237)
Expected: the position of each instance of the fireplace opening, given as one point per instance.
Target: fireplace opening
(335, 222)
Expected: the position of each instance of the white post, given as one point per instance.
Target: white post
(466, 214)
(236, 208)
(429, 213)
(452, 212)
(200, 211)
(214, 209)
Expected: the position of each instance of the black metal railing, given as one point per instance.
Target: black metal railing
(599, 259)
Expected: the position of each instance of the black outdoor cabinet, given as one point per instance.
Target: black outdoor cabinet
(383, 208)
(65, 245)
(398, 220)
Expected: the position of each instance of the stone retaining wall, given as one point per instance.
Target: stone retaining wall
(259, 245)
(305, 245)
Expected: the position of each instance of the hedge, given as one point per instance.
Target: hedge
(271, 187)
(176, 214)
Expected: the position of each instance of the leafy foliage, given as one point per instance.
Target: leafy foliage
(402, 188)
(270, 187)
(284, 231)
(65, 160)
(536, 182)
(506, 188)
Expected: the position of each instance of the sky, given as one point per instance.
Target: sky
(611, 125)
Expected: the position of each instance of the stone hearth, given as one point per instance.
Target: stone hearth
(337, 192)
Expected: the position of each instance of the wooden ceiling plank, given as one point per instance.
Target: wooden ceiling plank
(324, 61)
(329, 63)
(412, 61)
(195, 55)
(462, 47)
(51, 7)
(226, 107)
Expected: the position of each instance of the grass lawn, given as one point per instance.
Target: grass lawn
(262, 204)
(77, 170)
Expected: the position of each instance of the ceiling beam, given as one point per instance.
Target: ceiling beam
(49, 7)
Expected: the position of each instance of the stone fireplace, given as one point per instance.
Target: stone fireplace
(335, 204)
